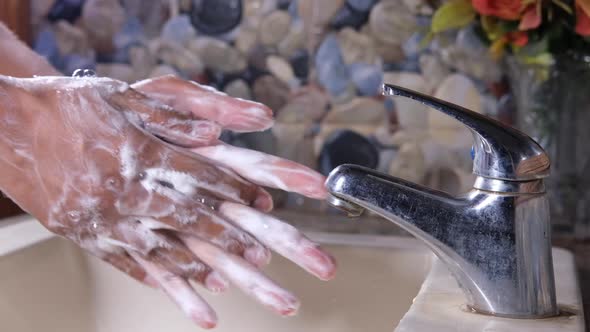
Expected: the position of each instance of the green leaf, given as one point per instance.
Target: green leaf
(542, 61)
(491, 27)
(452, 15)
(535, 48)
(563, 6)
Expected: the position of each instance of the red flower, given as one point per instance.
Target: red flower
(582, 21)
(506, 9)
(518, 38)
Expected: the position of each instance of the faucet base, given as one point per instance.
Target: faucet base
(557, 312)
(440, 305)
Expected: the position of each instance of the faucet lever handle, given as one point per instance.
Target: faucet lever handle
(501, 152)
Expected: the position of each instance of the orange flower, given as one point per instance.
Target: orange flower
(506, 9)
(582, 21)
(518, 38)
(531, 18)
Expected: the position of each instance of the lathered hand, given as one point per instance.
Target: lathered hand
(137, 176)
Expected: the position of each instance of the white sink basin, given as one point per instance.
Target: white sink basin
(54, 286)
(47, 284)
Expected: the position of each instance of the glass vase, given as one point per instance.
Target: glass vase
(553, 107)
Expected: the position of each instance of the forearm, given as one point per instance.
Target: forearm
(27, 124)
(18, 60)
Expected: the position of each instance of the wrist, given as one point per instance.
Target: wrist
(16, 144)
(11, 91)
(17, 111)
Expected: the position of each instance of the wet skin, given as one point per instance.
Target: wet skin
(136, 175)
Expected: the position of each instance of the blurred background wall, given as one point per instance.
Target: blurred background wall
(320, 64)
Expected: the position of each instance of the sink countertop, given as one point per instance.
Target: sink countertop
(439, 306)
(19, 232)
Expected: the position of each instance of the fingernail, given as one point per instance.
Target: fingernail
(285, 304)
(208, 322)
(320, 263)
(253, 118)
(259, 111)
(216, 283)
(259, 256)
(150, 281)
(321, 193)
(263, 201)
(314, 187)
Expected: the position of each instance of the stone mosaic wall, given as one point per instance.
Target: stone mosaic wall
(318, 64)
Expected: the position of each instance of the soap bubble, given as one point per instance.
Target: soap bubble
(84, 73)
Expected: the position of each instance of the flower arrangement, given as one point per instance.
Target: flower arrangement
(535, 30)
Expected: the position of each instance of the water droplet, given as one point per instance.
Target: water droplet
(142, 175)
(74, 216)
(165, 184)
(112, 184)
(84, 73)
(94, 225)
(202, 200)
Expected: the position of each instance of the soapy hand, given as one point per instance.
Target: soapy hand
(137, 176)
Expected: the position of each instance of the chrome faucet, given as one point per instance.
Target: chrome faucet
(496, 238)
